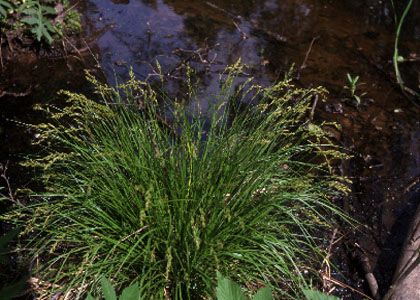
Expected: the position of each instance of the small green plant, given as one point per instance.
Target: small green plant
(317, 295)
(72, 22)
(129, 293)
(44, 20)
(230, 290)
(352, 87)
(38, 17)
(5, 5)
(141, 190)
(226, 289)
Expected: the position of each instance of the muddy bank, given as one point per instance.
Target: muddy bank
(324, 39)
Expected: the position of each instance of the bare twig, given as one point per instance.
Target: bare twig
(134, 233)
(346, 286)
(243, 34)
(332, 242)
(1, 52)
(16, 95)
(11, 197)
(413, 183)
(78, 50)
(303, 66)
(325, 267)
(412, 59)
(219, 9)
(311, 115)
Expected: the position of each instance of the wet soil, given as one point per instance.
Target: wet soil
(324, 39)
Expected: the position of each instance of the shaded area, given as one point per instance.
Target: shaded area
(26, 81)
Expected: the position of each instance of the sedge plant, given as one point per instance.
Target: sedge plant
(141, 190)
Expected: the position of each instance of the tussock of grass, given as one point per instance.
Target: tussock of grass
(142, 191)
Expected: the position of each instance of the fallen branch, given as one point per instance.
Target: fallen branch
(406, 280)
(311, 115)
(308, 52)
(370, 278)
(11, 195)
(346, 286)
(16, 95)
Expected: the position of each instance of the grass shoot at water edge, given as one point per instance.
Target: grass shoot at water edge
(141, 190)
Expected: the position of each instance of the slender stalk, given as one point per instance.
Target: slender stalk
(397, 37)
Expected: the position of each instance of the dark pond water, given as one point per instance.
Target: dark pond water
(324, 39)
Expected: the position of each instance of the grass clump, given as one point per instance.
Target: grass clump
(140, 190)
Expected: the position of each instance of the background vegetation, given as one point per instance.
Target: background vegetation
(43, 20)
